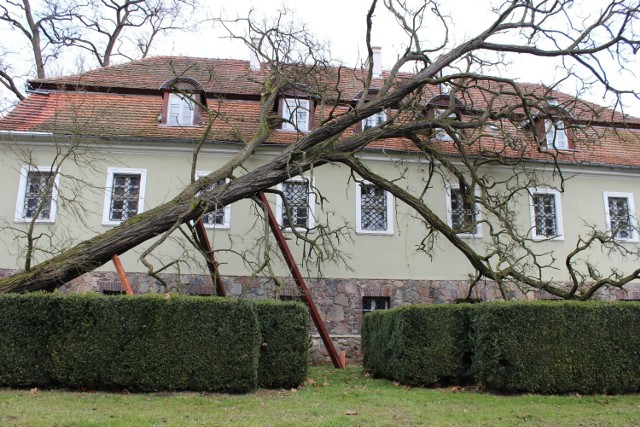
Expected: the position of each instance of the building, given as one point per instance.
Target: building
(108, 144)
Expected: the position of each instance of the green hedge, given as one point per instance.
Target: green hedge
(25, 328)
(284, 349)
(419, 344)
(557, 347)
(145, 343)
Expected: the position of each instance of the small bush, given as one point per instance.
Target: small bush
(419, 344)
(284, 349)
(557, 347)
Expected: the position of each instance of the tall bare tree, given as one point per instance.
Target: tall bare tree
(104, 29)
(513, 111)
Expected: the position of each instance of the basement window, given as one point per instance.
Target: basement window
(370, 304)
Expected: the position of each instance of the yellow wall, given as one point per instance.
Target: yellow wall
(368, 256)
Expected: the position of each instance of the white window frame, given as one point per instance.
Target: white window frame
(311, 223)
(227, 209)
(390, 205)
(532, 214)
(22, 193)
(296, 103)
(441, 133)
(111, 172)
(555, 133)
(632, 214)
(376, 119)
(478, 233)
(184, 103)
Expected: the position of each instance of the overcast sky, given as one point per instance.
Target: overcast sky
(342, 24)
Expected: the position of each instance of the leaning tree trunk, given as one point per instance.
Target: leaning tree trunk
(91, 254)
(315, 148)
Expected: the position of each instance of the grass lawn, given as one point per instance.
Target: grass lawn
(331, 398)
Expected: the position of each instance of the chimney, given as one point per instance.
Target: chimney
(254, 60)
(377, 61)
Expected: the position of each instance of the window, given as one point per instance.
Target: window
(219, 218)
(300, 202)
(375, 303)
(296, 111)
(37, 194)
(441, 113)
(620, 214)
(374, 209)
(374, 120)
(180, 110)
(546, 215)
(556, 135)
(124, 195)
(462, 213)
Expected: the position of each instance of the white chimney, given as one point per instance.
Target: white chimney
(377, 61)
(254, 60)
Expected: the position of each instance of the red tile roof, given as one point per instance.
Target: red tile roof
(125, 101)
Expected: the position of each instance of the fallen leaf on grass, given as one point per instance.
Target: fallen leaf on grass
(326, 384)
(351, 413)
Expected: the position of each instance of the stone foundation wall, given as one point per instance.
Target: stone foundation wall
(339, 301)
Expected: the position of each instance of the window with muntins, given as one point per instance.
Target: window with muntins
(295, 213)
(441, 113)
(556, 135)
(463, 213)
(620, 215)
(546, 219)
(37, 194)
(374, 209)
(180, 110)
(124, 195)
(296, 111)
(370, 304)
(221, 217)
(300, 197)
(374, 120)
(125, 192)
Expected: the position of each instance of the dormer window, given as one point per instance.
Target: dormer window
(295, 112)
(183, 99)
(374, 120)
(556, 135)
(443, 113)
(181, 110)
(444, 107)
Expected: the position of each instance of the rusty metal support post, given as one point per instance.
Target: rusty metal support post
(122, 275)
(297, 277)
(203, 241)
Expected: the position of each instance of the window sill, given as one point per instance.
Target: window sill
(217, 226)
(37, 221)
(294, 131)
(548, 239)
(469, 236)
(165, 125)
(374, 232)
(561, 150)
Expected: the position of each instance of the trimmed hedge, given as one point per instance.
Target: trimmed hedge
(144, 343)
(419, 344)
(284, 349)
(558, 347)
(543, 347)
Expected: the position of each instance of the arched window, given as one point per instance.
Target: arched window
(183, 101)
